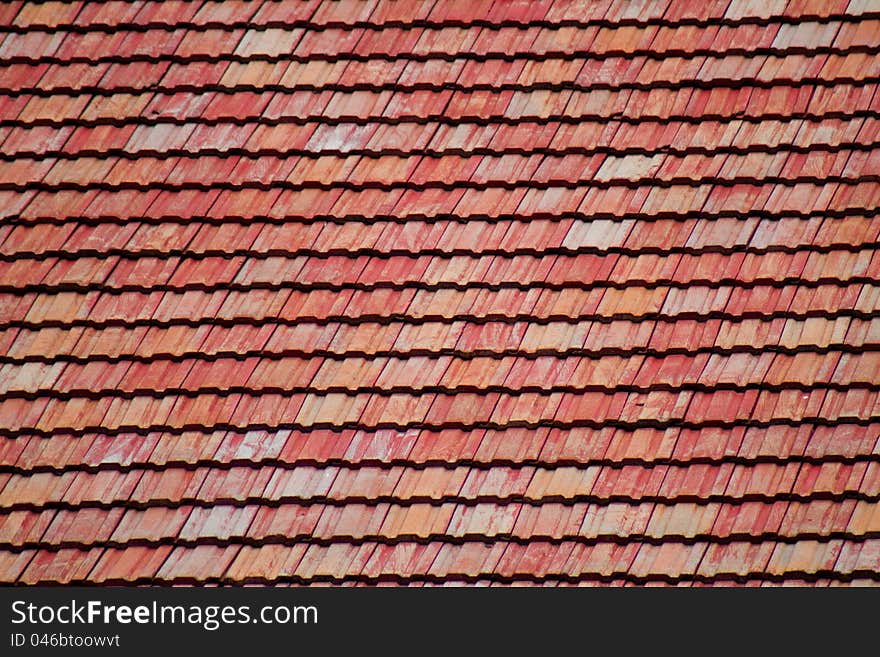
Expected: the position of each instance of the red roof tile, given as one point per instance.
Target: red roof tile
(440, 293)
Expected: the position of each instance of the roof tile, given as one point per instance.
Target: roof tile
(270, 316)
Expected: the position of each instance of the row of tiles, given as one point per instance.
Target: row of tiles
(175, 486)
(660, 409)
(446, 372)
(481, 448)
(586, 270)
(436, 561)
(386, 239)
(50, 413)
(441, 42)
(784, 99)
(647, 199)
(386, 172)
(843, 262)
(133, 309)
(289, 524)
(378, 12)
(316, 137)
(578, 71)
(523, 339)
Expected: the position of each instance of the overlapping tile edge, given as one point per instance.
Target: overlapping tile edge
(438, 293)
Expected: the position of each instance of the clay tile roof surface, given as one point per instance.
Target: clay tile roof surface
(557, 293)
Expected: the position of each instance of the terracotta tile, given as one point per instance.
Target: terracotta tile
(418, 519)
(285, 520)
(61, 566)
(19, 527)
(151, 524)
(740, 558)
(351, 520)
(804, 556)
(13, 564)
(402, 559)
(35, 489)
(220, 521)
(268, 561)
(769, 238)
(170, 12)
(83, 526)
(857, 556)
(198, 563)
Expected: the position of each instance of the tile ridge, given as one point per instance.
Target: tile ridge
(375, 153)
(428, 24)
(400, 318)
(596, 284)
(739, 577)
(201, 356)
(442, 119)
(408, 185)
(472, 464)
(436, 501)
(455, 87)
(445, 539)
(586, 423)
(759, 213)
(310, 252)
(101, 394)
(423, 57)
